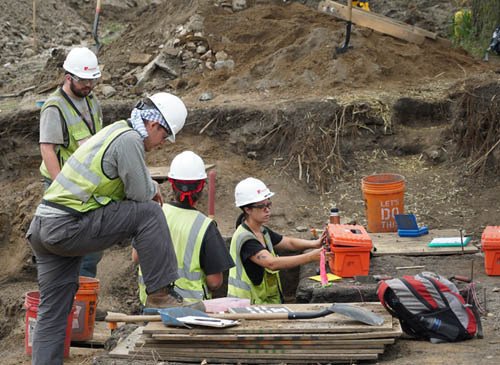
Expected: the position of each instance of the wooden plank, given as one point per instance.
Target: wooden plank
(395, 332)
(377, 23)
(212, 360)
(173, 350)
(392, 244)
(306, 357)
(368, 343)
(123, 347)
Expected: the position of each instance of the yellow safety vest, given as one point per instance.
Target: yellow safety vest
(77, 128)
(81, 185)
(240, 285)
(187, 229)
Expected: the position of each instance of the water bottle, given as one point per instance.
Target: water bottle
(334, 216)
(437, 326)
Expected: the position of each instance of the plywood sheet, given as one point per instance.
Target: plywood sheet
(392, 244)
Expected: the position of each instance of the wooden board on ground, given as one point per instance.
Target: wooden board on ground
(123, 347)
(318, 348)
(377, 22)
(392, 244)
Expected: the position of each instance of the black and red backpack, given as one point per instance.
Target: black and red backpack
(430, 307)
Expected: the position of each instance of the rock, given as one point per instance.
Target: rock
(171, 51)
(221, 56)
(67, 42)
(207, 55)
(239, 5)
(191, 46)
(209, 65)
(206, 97)
(140, 59)
(105, 76)
(108, 91)
(187, 55)
(28, 52)
(229, 64)
(201, 50)
(252, 154)
(301, 229)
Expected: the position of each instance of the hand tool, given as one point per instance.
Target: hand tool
(168, 315)
(371, 279)
(97, 46)
(344, 48)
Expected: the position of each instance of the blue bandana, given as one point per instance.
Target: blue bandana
(138, 117)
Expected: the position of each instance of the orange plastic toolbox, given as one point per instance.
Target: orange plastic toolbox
(490, 245)
(351, 245)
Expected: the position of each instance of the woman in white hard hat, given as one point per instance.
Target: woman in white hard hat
(256, 274)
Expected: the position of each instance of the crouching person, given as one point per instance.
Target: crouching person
(201, 253)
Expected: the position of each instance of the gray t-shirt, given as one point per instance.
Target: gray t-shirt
(52, 127)
(124, 158)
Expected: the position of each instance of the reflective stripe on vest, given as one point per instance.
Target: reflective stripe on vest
(76, 126)
(187, 229)
(82, 185)
(240, 285)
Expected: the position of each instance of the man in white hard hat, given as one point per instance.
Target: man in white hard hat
(103, 195)
(202, 255)
(69, 117)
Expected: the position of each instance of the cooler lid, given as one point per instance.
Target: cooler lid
(491, 236)
(349, 235)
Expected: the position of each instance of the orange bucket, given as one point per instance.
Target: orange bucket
(384, 198)
(32, 299)
(86, 304)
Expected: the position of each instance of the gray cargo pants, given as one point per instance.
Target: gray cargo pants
(59, 244)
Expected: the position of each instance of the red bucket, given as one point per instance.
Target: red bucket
(31, 302)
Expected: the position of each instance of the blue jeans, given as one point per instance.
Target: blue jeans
(89, 264)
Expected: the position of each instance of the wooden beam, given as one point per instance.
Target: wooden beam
(377, 22)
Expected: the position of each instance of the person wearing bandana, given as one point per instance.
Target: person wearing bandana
(202, 255)
(104, 194)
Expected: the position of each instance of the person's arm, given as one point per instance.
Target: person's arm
(214, 281)
(214, 257)
(265, 259)
(51, 136)
(299, 244)
(49, 156)
(135, 256)
(125, 159)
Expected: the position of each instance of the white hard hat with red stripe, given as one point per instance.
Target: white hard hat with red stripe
(82, 62)
(251, 190)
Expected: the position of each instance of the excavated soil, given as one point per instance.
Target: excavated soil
(287, 110)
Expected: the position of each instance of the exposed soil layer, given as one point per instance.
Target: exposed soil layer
(309, 123)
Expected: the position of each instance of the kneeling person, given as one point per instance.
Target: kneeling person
(202, 255)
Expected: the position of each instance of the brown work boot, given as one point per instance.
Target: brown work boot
(164, 298)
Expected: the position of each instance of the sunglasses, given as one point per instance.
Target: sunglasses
(91, 82)
(169, 132)
(262, 206)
